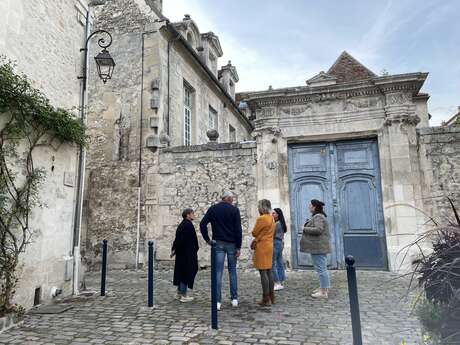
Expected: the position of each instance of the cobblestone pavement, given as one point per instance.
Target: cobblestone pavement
(122, 318)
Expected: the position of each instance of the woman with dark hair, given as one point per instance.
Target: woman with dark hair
(278, 246)
(315, 240)
(185, 248)
(263, 246)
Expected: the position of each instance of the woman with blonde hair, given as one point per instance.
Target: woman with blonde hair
(263, 232)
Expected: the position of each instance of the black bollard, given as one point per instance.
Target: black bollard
(213, 286)
(104, 266)
(150, 276)
(354, 303)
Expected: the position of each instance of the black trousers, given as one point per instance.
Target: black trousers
(266, 278)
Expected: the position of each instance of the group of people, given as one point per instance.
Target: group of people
(267, 246)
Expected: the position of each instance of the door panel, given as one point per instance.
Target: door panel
(309, 179)
(360, 213)
(309, 188)
(346, 177)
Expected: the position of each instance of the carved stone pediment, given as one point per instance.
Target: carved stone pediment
(321, 79)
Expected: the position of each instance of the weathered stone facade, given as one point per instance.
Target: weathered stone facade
(195, 177)
(440, 161)
(48, 54)
(347, 102)
(140, 176)
(142, 110)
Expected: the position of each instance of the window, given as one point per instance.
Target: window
(212, 118)
(231, 88)
(231, 134)
(213, 63)
(188, 99)
(190, 39)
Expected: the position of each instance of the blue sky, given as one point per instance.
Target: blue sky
(283, 43)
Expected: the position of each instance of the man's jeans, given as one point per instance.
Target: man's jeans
(228, 248)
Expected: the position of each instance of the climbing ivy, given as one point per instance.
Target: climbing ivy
(27, 120)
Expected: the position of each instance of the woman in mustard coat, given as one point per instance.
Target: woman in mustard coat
(263, 232)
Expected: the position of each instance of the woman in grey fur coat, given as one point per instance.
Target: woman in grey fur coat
(315, 240)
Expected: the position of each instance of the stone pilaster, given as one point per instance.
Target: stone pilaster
(272, 173)
(403, 194)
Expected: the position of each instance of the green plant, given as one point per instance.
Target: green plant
(430, 315)
(438, 273)
(27, 120)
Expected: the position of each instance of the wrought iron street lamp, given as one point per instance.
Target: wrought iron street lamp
(104, 61)
(105, 66)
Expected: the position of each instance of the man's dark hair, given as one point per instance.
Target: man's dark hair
(186, 212)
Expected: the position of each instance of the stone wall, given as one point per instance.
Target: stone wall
(439, 149)
(44, 38)
(195, 177)
(122, 120)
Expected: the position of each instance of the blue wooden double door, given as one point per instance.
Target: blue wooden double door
(346, 177)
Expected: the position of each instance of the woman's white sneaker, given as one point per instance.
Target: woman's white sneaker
(278, 287)
(218, 305)
(234, 303)
(185, 299)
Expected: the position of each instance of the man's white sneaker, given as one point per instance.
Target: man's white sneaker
(319, 295)
(218, 305)
(234, 303)
(278, 287)
(185, 299)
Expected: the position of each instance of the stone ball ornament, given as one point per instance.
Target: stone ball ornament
(212, 135)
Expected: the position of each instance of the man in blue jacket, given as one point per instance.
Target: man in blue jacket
(225, 222)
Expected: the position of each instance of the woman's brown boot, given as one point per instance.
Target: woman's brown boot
(265, 301)
(272, 297)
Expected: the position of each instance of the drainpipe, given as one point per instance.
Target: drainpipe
(141, 143)
(139, 182)
(81, 174)
(170, 43)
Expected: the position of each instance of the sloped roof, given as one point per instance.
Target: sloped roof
(347, 69)
(454, 120)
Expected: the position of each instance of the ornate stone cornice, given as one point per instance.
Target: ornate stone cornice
(276, 131)
(410, 83)
(403, 119)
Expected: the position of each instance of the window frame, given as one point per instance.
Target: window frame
(187, 114)
(231, 130)
(212, 114)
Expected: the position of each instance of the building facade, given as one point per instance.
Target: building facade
(39, 51)
(358, 141)
(166, 91)
(349, 138)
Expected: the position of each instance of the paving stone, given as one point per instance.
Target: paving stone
(296, 318)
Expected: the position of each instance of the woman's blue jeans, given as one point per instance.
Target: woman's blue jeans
(182, 289)
(278, 264)
(320, 264)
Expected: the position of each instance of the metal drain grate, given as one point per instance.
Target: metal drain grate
(50, 309)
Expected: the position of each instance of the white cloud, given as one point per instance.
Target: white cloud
(257, 70)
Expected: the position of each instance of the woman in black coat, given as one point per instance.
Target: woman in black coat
(185, 248)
